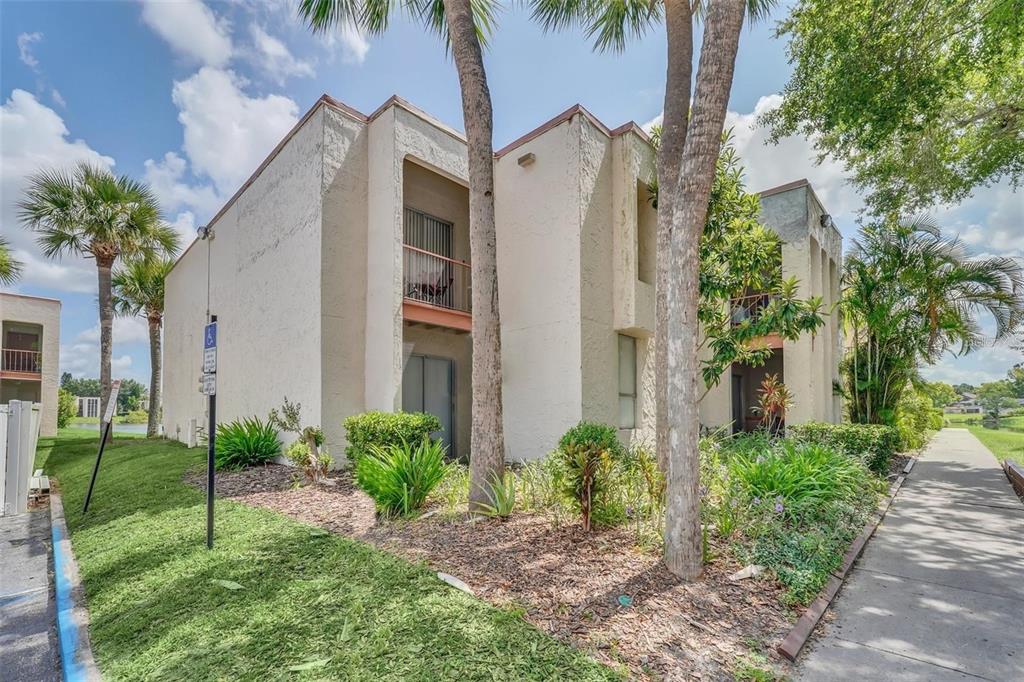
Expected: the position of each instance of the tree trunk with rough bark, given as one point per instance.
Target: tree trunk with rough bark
(104, 263)
(723, 22)
(487, 440)
(154, 320)
(676, 111)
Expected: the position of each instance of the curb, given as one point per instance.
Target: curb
(1015, 473)
(76, 657)
(797, 637)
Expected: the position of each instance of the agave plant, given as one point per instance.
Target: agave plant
(501, 496)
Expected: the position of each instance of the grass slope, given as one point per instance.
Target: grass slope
(335, 607)
(1004, 444)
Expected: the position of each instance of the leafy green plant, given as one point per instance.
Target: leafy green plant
(453, 490)
(245, 443)
(794, 473)
(313, 464)
(383, 429)
(874, 444)
(501, 496)
(400, 477)
(67, 408)
(587, 451)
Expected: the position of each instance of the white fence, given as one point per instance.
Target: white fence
(19, 433)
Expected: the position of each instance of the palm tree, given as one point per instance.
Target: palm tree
(690, 142)
(95, 214)
(139, 290)
(10, 267)
(910, 295)
(465, 26)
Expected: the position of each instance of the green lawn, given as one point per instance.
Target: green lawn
(1003, 442)
(335, 608)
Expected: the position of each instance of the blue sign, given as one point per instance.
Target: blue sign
(210, 337)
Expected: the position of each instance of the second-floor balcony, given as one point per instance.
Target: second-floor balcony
(21, 364)
(748, 310)
(436, 288)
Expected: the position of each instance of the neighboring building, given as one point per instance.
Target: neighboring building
(339, 274)
(31, 353)
(968, 404)
(88, 407)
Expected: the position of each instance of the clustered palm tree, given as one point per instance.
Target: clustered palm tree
(464, 25)
(10, 267)
(139, 291)
(909, 296)
(93, 213)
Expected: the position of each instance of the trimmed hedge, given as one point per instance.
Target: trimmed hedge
(386, 429)
(874, 444)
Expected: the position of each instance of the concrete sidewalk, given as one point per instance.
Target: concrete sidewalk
(28, 636)
(939, 592)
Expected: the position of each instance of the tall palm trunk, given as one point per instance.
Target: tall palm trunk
(676, 112)
(487, 440)
(103, 265)
(154, 374)
(714, 81)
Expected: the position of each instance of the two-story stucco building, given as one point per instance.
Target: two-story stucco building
(339, 274)
(29, 369)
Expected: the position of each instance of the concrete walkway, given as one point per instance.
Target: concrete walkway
(939, 592)
(28, 638)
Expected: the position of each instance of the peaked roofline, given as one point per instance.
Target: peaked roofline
(396, 101)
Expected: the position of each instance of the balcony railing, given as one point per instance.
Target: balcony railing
(749, 307)
(435, 280)
(25, 361)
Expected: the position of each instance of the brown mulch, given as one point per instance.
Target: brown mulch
(594, 590)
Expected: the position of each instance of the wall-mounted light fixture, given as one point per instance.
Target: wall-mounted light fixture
(826, 221)
(526, 159)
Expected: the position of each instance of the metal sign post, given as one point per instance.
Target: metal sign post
(209, 388)
(105, 424)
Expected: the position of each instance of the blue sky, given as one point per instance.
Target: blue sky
(191, 96)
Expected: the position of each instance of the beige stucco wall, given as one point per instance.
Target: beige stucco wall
(265, 264)
(44, 312)
(538, 216)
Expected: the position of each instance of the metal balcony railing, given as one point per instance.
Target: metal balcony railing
(435, 280)
(749, 307)
(27, 361)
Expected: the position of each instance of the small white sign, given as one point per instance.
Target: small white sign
(209, 384)
(209, 359)
(115, 388)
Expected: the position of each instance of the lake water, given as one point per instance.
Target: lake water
(118, 428)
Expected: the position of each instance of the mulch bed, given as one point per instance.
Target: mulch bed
(594, 590)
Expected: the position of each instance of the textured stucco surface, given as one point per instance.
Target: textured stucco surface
(45, 313)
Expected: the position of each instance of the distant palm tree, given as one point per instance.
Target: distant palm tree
(139, 291)
(465, 26)
(10, 267)
(93, 213)
(910, 295)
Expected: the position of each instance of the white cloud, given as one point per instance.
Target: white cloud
(191, 29)
(58, 99)
(348, 42)
(166, 178)
(25, 41)
(274, 57)
(185, 225)
(125, 330)
(228, 133)
(82, 357)
(33, 137)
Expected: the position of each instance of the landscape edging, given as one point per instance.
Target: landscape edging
(76, 657)
(797, 637)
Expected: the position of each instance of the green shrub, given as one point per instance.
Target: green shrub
(400, 477)
(314, 467)
(135, 417)
(245, 443)
(916, 418)
(501, 496)
(793, 473)
(384, 429)
(588, 451)
(67, 408)
(874, 444)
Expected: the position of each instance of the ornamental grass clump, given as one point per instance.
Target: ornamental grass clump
(245, 443)
(588, 452)
(399, 478)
